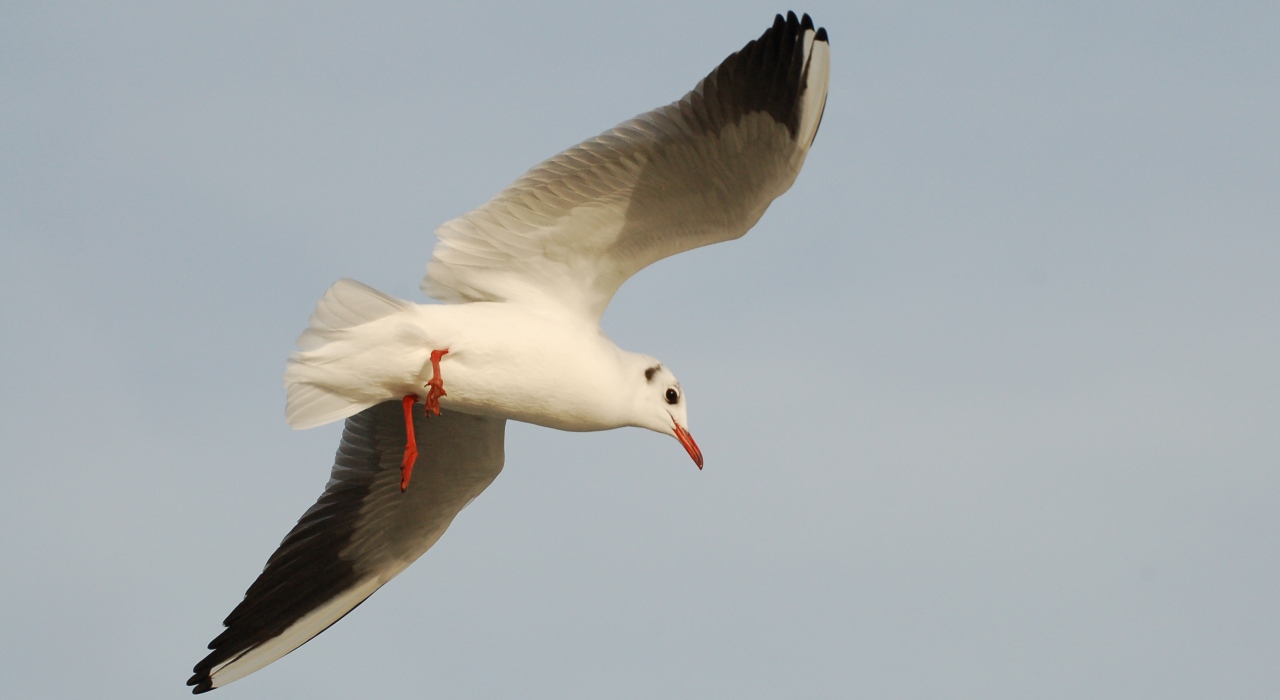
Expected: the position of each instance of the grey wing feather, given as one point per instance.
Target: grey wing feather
(695, 172)
(359, 534)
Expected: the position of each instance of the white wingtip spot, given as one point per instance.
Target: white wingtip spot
(815, 94)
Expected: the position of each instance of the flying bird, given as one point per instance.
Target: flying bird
(427, 389)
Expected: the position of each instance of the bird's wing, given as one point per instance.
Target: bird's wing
(359, 534)
(695, 172)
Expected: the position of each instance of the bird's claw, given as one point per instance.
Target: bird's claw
(435, 387)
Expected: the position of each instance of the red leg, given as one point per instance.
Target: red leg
(437, 383)
(432, 406)
(411, 446)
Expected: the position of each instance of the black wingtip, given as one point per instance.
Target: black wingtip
(202, 683)
(769, 74)
(821, 35)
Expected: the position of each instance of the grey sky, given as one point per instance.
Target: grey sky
(989, 400)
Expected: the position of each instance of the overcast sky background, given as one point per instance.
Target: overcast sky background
(990, 400)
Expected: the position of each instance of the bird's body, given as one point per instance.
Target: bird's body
(508, 361)
(524, 280)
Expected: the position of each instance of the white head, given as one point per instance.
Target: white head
(660, 405)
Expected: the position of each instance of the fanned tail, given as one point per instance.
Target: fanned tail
(347, 304)
(324, 350)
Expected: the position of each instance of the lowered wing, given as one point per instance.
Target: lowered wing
(359, 534)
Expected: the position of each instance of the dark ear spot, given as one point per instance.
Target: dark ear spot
(648, 373)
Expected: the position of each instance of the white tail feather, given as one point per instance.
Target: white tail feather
(348, 303)
(308, 406)
(330, 376)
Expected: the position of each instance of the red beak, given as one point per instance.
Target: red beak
(689, 445)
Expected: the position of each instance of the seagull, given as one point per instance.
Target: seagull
(524, 280)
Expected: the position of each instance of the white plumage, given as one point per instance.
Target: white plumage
(525, 279)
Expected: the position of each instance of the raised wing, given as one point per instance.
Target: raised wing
(359, 534)
(695, 172)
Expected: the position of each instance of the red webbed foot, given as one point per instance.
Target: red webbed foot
(436, 386)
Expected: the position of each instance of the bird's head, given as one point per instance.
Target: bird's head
(663, 408)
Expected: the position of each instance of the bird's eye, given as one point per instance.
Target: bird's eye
(672, 396)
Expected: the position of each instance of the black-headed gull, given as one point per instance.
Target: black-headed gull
(525, 279)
